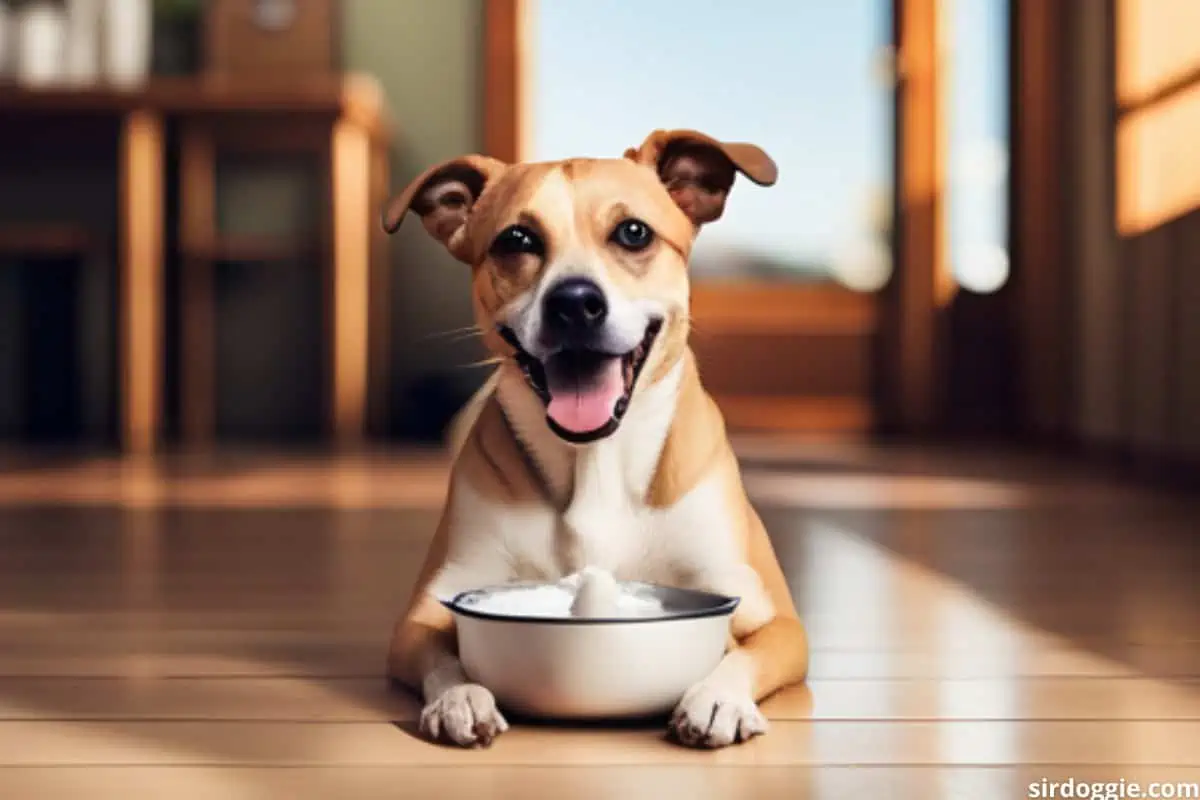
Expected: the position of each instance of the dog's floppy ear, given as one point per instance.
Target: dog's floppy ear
(698, 170)
(443, 197)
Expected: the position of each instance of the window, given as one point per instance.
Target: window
(977, 186)
(807, 81)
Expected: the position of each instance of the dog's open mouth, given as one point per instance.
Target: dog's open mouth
(586, 392)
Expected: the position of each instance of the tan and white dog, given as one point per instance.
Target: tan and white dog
(593, 444)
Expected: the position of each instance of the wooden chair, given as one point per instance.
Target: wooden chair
(38, 246)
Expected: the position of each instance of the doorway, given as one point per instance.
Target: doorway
(816, 301)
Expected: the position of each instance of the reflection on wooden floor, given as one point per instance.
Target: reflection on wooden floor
(215, 629)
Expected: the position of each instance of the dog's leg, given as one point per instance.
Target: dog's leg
(456, 710)
(423, 656)
(722, 709)
(771, 652)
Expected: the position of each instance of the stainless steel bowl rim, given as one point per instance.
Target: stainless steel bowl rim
(716, 605)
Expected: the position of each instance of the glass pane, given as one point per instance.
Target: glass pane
(804, 79)
(977, 114)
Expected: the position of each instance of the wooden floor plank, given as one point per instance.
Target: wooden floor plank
(1168, 743)
(373, 700)
(233, 655)
(215, 627)
(759, 782)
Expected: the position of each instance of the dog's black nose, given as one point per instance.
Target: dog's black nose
(575, 306)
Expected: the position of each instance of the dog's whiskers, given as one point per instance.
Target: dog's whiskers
(489, 361)
(455, 334)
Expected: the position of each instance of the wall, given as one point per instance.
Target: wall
(1136, 293)
(427, 56)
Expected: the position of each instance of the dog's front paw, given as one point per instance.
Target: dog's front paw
(713, 716)
(465, 715)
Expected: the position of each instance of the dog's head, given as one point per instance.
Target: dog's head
(580, 266)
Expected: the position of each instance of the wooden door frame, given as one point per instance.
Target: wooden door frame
(905, 313)
(912, 358)
(1042, 213)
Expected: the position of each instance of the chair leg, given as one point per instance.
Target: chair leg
(197, 220)
(381, 286)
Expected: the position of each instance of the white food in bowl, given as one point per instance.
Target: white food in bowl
(632, 654)
(599, 595)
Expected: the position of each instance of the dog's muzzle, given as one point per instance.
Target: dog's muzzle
(585, 386)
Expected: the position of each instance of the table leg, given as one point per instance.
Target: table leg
(141, 219)
(352, 218)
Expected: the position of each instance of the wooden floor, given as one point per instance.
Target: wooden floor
(215, 628)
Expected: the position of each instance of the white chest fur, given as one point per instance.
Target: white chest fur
(606, 522)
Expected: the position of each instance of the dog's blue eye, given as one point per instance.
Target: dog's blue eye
(515, 240)
(633, 234)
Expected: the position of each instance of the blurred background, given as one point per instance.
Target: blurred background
(985, 225)
(958, 344)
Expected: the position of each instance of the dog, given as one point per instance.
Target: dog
(593, 443)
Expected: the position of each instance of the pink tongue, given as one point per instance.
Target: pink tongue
(585, 410)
